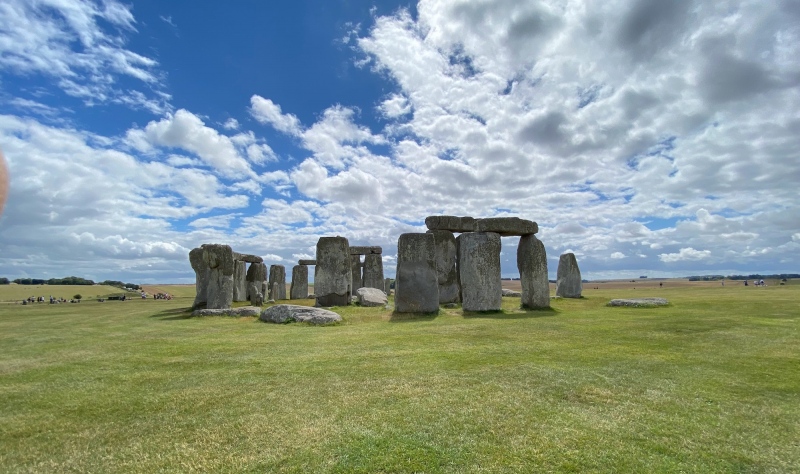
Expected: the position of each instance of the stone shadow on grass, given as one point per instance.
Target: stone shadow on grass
(523, 313)
(173, 314)
(411, 317)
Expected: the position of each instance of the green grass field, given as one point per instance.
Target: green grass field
(710, 383)
(15, 293)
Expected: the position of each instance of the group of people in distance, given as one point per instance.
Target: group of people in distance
(756, 283)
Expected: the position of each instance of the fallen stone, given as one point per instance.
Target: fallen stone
(511, 293)
(506, 226)
(286, 313)
(639, 302)
(451, 223)
(371, 297)
(238, 312)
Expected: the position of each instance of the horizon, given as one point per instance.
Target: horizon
(647, 137)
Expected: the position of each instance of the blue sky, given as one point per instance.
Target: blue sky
(647, 137)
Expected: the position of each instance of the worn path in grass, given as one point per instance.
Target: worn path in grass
(710, 383)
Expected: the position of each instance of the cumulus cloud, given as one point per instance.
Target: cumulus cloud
(268, 112)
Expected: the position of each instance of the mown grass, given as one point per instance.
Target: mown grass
(710, 383)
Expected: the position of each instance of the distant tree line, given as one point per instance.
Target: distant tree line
(744, 277)
(71, 280)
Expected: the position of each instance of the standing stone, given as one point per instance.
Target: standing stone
(479, 271)
(240, 281)
(299, 288)
(373, 271)
(264, 289)
(568, 282)
(355, 268)
(416, 285)
(532, 265)
(277, 282)
(201, 277)
(219, 259)
(332, 275)
(446, 266)
(256, 276)
(387, 286)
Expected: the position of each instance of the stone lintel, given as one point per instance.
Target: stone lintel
(306, 262)
(505, 226)
(451, 223)
(247, 257)
(365, 250)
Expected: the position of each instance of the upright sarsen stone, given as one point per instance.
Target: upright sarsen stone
(201, 276)
(299, 288)
(256, 280)
(568, 283)
(240, 281)
(355, 267)
(277, 282)
(373, 271)
(332, 276)
(479, 271)
(532, 265)
(446, 266)
(416, 285)
(219, 259)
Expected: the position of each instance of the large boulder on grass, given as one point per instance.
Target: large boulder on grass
(237, 312)
(371, 297)
(287, 313)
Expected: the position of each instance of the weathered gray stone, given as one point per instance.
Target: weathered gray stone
(511, 293)
(446, 272)
(371, 297)
(479, 271)
(254, 291)
(332, 276)
(639, 302)
(256, 280)
(387, 286)
(568, 277)
(247, 258)
(240, 281)
(416, 285)
(201, 276)
(299, 288)
(219, 258)
(286, 313)
(307, 262)
(277, 282)
(373, 271)
(361, 250)
(532, 265)
(264, 289)
(357, 280)
(237, 312)
(451, 223)
(506, 226)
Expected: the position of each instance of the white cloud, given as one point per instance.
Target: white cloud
(231, 124)
(186, 131)
(617, 255)
(685, 254)
(268, 112)
(68, 42)
(395, 106)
